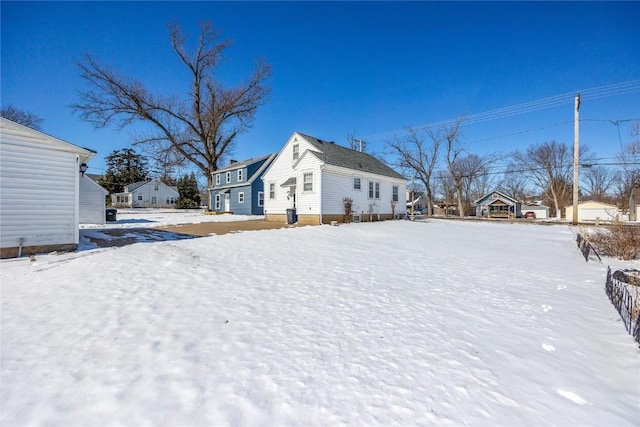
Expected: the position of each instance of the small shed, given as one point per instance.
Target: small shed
(591, 210)
(92, 201)
(40, 199)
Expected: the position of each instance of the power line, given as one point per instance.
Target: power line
(527, 107)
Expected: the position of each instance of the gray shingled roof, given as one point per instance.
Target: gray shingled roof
(238, 165)
(332, 154)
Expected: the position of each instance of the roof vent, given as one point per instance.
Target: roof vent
(232, 162)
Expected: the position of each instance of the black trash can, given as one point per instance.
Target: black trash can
(291, 216)
(111, 214)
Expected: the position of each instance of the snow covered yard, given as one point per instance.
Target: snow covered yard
(393, 323)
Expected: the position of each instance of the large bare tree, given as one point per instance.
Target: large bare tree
(454, 152)
(419, 153)
(598, 181)
(473, 178)
(200, 125)
(549, 166)
(515, 183)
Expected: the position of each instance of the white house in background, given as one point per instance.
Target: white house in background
(591, 211)
(92, 201)
(146, 194)
(313, 177)
(40, 198)
(541, 211)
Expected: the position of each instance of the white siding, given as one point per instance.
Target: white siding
(148, 191)
(330, 185)
(338, 183)
(281, 170)
(92, 202)
(39, 195)
(308, 202)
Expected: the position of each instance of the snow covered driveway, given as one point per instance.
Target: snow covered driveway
(393, 323)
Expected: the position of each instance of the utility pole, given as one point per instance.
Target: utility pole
(576, 157)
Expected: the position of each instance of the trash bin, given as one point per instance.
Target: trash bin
(111, 214)
(291, 216)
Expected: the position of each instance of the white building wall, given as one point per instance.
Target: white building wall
(308, 202)
(148, 191)
(338, 184)
(280, 171)
(92, 201)
(38, 201)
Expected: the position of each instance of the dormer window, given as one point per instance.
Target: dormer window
(240, 173)
(296, 151)
(228, 177)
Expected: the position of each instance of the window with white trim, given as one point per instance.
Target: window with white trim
(296, 151)
(217, 179)
(217, 202)
(374, 190)
(260, 198)
(228, 177)
(307, 181)
(356, 183)
(272, 190)
(241, 197)
(395, 193)
(240, 174)
(171, 200)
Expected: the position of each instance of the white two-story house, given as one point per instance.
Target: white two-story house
(312, 178)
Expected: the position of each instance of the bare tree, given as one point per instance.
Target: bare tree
(514, 183)
(454, 151)
(201, 126)
(471, 173)
(357, 144)
(20, 116)
(419, 153)
(550, 168)
(629, 176)
(446, 188)
(598, 181)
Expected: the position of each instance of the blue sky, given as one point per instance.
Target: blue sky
(368, 68)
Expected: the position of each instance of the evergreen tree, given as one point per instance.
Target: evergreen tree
(124, 167)
(189, 193)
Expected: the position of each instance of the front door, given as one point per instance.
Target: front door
(227, 202)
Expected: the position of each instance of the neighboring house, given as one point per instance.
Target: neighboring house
(313, 177)
(634, 205)
(40, 180)
(541, 211)
(238, 188)
(416, 199)
(92, 201)
(590, 210)
(146, 194)
(498, 204)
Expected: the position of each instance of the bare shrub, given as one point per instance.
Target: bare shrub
(348, 209)
(618, 240)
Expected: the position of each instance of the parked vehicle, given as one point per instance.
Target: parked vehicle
(530, 214)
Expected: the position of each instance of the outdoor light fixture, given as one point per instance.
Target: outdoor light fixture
(83, 168)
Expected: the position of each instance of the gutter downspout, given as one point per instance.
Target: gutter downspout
(320, 192)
